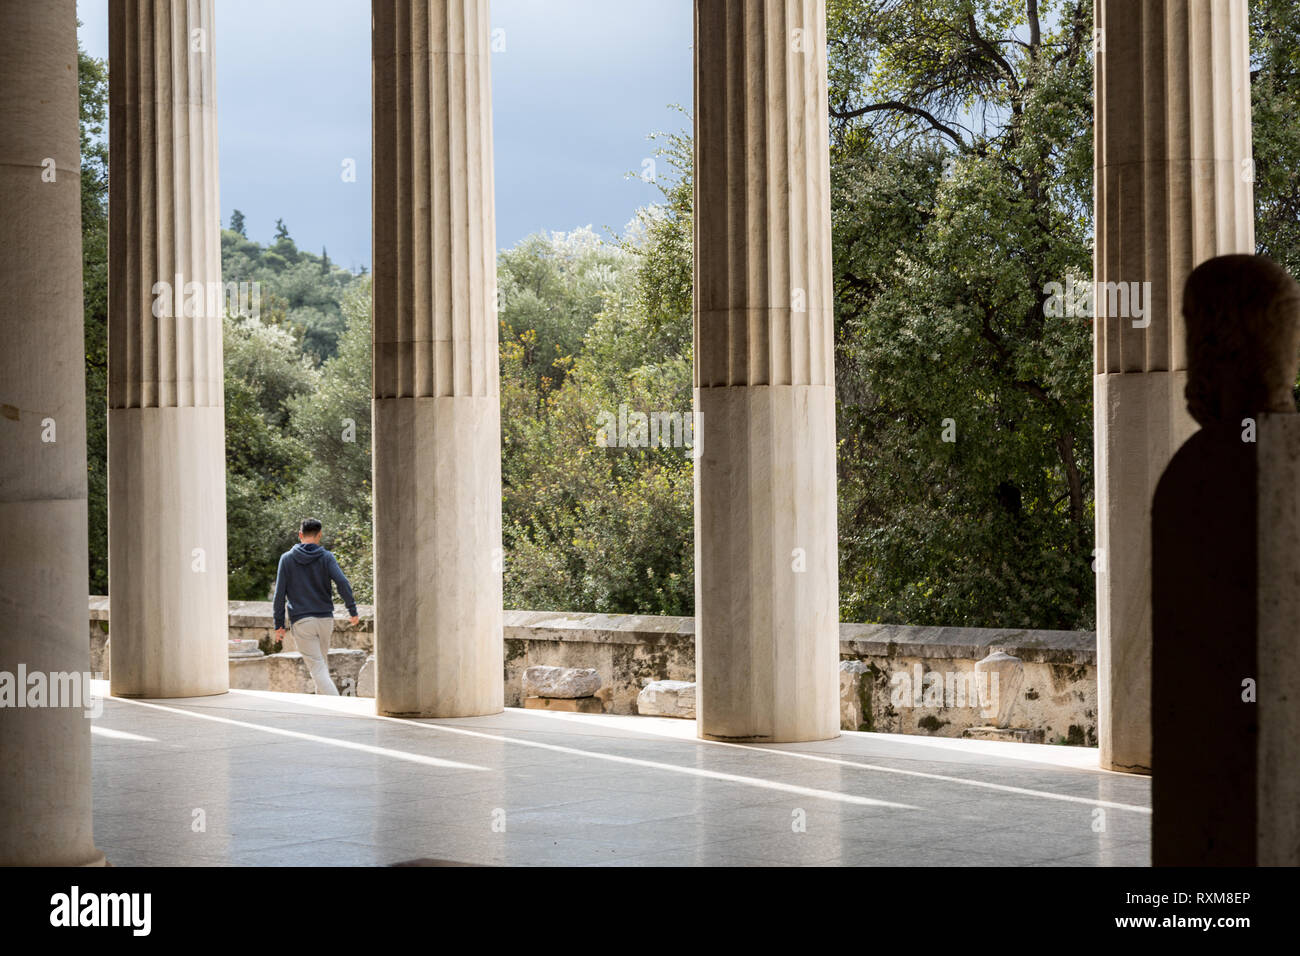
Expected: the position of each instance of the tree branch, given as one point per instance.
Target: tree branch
(916, 111)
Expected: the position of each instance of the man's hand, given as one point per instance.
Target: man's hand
(354, 620)
(279, 634)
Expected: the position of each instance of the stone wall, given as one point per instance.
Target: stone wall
(1057, 700)
(627, 650)
(285, 671)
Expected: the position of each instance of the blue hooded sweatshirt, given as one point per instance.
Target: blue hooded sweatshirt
(304, 578)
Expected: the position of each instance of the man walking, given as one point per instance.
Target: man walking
(304, 578)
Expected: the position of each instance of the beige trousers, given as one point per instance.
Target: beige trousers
(312, 635)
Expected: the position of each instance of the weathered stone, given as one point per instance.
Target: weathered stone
(287, 672)
(244, 647)
(1277, 651)
(99, 665)
(1059, 696)
(563, 682)
(366, 678)
(852, 715)
(667, 698)
(572, 705)
(1001, 689)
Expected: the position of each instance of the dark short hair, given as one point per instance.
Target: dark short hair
(310, 525)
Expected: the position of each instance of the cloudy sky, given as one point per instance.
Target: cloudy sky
(579, 86)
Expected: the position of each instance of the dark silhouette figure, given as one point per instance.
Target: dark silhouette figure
(1243, 338)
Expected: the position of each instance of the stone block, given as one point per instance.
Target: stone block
(667, 698)
(1001, 688)
(563, 682)
(855, 706)
(366, 678)
(287, 672)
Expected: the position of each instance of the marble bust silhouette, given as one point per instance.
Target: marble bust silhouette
(1243, 346)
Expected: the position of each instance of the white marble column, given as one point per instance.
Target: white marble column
(1172, 189)
(436, 409)
(166, 428)
(45, 792)
(766, 571)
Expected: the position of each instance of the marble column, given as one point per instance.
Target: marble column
(45, 793)
(166, 428)
(766, 572)
(436, 407)
(1172, 189)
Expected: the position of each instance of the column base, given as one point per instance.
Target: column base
(1140, 420)
(167, 552)
(439, 642)
(767, 571)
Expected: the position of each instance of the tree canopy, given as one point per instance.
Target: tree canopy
(961, 177)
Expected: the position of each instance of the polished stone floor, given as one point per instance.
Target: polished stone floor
(265, 779)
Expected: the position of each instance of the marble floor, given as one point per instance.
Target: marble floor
(266, 779)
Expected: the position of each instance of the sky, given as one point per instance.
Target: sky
(576, 91)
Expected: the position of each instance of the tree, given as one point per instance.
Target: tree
(332, 426)
(265, 372)
(962, 178)
(662, 240)
(298, 290)
(962, 186)
(1275, 103)
(92, 82)
(589, 527)
(553, 286)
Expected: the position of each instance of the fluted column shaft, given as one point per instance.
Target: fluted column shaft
(45, 792)
(1172, 189)
(166, 428)
(766, 572)
(436, 405)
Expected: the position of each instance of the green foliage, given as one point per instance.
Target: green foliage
(273, 385)
(331, 423)
(299, 290)
(587, 527)
(961, 185)
(662, 238)
(265, 372)
(92, 81)
(944, 239)
(1275, 104)
(551, 288)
